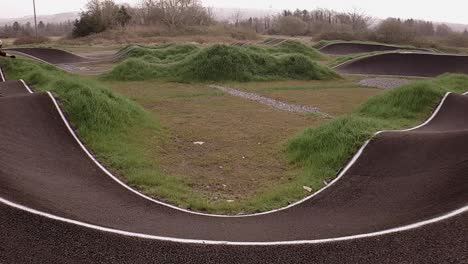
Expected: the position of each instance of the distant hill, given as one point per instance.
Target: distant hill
(56, 18)
(456, 27)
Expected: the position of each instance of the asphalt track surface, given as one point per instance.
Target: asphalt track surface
(422, 176)
(406, 64)
(71, 62)
(345, 48)
(49, 55)
(29, 238)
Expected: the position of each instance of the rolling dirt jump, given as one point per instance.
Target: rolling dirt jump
(345, 48)
(406, 64)
(402, 199)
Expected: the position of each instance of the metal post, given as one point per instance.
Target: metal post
(35, 17)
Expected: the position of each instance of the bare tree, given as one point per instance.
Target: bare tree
(393, 30)
(109, 12)
(237, 17)
(175, 13)
(358, 20)
(291, 25)
(443, 30)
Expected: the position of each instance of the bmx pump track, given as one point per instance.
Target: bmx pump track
(403, 197)
(346, 48)
(393, 63)
(411, 64)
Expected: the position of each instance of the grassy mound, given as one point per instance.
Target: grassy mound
(320, 44)
(89, 105)
(287, 47)
(324, 150)
(160, 54)
(221, 63)
(290, 46)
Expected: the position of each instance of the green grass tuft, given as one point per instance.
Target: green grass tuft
(160, 54)
(290, 46)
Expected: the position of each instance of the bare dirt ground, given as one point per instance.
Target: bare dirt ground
(244, 141)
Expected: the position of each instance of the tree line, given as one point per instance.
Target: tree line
(355, 25)
(17, 29)
(173, 15)
(101, 15)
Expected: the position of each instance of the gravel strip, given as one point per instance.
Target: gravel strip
(384, 83)
(268, 101)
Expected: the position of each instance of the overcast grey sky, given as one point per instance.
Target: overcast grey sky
(454, 11)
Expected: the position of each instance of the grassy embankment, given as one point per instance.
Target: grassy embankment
(322, 151)
(190, 63)
(119, 130)
(116, 129)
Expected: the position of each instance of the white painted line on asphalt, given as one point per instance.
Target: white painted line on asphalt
(26, 86)
(235, 243)
(341, 174)
(378, 44)
(2, 75)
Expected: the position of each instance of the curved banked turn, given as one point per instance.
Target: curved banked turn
(29, 238)
(406, 64)
(344, 48)
(50, 55)
(401, 178)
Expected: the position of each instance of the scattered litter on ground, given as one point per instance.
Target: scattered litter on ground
(307, 188)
